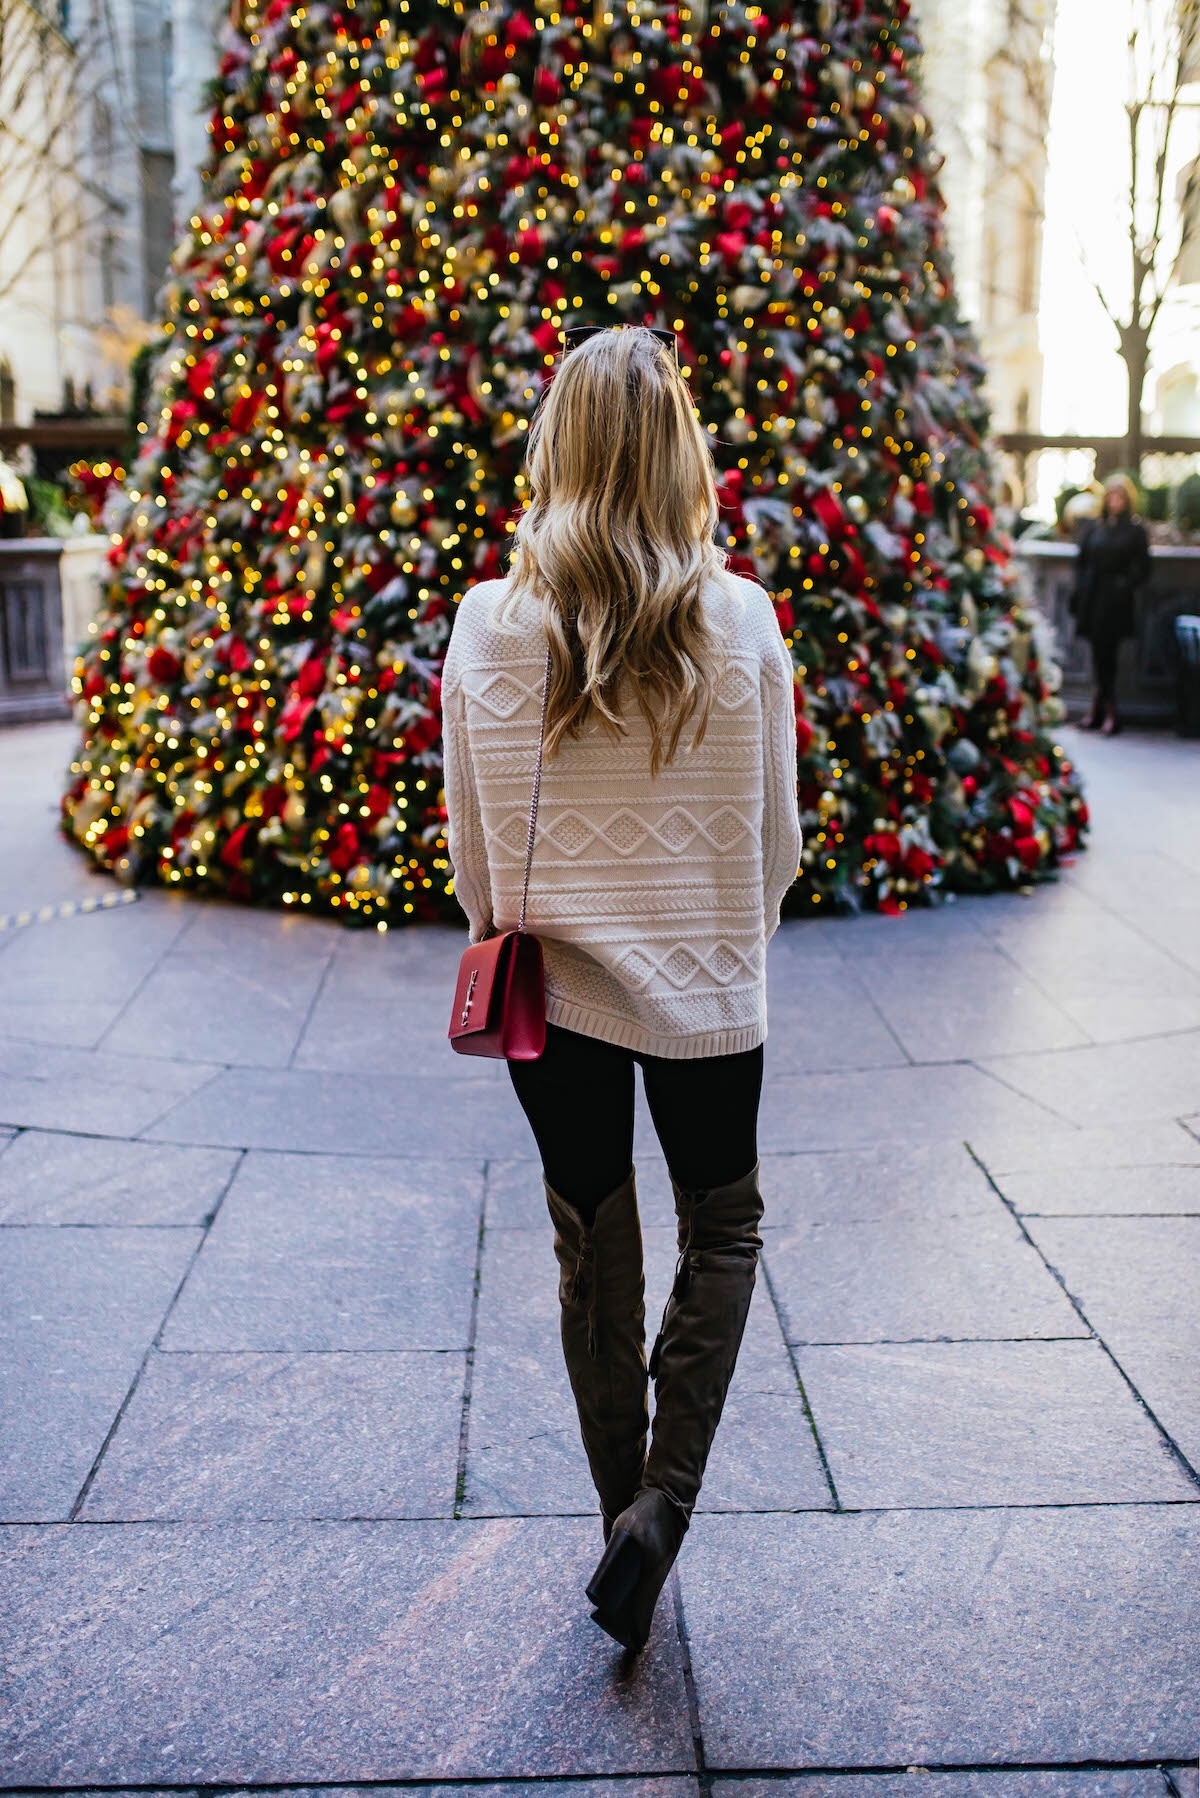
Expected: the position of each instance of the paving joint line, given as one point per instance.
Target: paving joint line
(703, 1775)
(795, 1367)
(464, 1424)
(201, 1520)
(1174, 1448)
(78, 1224)
(910, 1059)
(226, 1789)
(1069, 1215)
(182, 1099)
(990, 1073)
(930, 1341)
(185, 927)
(1026, 974)
(1086, 1765)
(1116, 1042)
(384, 1349)
(114, 1426)
(318, 990)
(237, 1148)
(1138, 929)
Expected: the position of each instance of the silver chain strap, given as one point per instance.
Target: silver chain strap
(537, 791)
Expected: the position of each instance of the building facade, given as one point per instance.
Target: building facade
(87, 161)
(987, 76)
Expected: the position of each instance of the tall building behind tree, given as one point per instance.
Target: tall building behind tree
(405, 206)
(86, 226)
(987, 77)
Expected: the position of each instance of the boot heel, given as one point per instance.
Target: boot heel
(612, 1585)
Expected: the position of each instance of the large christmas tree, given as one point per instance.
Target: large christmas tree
(406, 203)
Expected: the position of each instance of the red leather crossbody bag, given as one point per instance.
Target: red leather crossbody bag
(500, 996)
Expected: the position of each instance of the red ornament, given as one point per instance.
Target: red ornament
(161, 665)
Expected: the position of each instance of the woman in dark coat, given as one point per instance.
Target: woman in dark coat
(1114, 561)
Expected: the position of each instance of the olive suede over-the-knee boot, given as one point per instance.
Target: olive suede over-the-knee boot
(602, 1294)
(692, 1365)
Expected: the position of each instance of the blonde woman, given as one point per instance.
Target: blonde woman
(666, 840)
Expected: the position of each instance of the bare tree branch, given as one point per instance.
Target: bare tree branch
(1163, 39)
(48, 85)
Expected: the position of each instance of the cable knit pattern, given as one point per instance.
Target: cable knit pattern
(654, 898)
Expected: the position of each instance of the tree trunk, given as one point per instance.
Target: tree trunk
(1135, 353)
(1136, 358)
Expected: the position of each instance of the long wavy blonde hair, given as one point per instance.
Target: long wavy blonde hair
(617, 543)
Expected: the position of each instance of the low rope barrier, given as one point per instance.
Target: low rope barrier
(70, 908)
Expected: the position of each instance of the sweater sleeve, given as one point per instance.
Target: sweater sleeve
(781, 838)
(466, 841)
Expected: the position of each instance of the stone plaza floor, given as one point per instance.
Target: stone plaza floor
(291, 1489)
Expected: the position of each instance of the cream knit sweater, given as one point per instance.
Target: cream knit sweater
(654, 898)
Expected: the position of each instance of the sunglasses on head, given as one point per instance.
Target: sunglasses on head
(574, 335)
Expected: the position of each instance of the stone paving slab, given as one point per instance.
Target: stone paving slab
(1095, 1087)
(872, 935)
(422, 959)
(333, 1252)
(1103, 973)
(1136, 1279)
(55, 1179)
(1066, 1782)
(910, 1104)
(905, 1277)
(517, 1196)
(262, 1437)
(802, 995)
(268, 988)
(985, 1423)
(1172, 926)
(1100, 1192)
(90, 1091)
(351, 1114)
(348, 1029)
(524, 1454)
(1186, 1780)
(68, 980)
(1128, 878)
(78, 1309)
(1169, 1003)
(868, 1185)
(36, 864)
(977, 1004)
(952, 1637)
(79, 1023)
(1126, 1271)
(253, 1654)
(1145, 1142)
(383, 991)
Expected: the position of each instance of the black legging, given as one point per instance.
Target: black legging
(1106, 652)
(579, 1101)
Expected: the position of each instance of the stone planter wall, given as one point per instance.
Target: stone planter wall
(49, 592)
